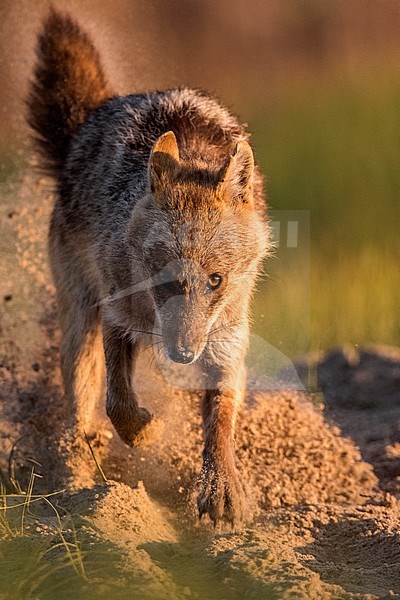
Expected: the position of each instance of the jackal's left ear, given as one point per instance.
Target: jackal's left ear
(236, 177)
(164, 160)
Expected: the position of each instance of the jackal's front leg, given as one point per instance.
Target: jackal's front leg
(131, 421)
(220, 490)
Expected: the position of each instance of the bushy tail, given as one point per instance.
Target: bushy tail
(68, 84)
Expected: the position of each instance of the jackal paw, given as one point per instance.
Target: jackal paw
(140, 430)
(221, 494)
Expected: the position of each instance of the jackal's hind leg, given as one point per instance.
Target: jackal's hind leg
(82, 366)
(82, 359)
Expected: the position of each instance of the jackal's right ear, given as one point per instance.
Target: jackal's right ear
(164, 161)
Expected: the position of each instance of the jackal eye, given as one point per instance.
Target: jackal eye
(214, 281)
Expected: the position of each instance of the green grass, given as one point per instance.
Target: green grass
(333, 149)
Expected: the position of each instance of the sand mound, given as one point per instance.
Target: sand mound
(124, 514)
(362, 394)
(295, 457)
(129, 519)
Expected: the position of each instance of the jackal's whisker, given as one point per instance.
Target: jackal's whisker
(227, 326)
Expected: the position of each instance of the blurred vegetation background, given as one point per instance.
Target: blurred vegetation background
(318, 83)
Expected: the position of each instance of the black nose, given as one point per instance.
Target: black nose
(180, 355)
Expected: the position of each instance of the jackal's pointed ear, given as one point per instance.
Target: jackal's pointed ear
(164, 160)
(236, 177)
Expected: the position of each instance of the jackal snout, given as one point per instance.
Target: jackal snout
(184, 322)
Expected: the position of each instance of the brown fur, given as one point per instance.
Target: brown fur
(157, 235)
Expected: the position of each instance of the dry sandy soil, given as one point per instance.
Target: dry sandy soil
(323, 479)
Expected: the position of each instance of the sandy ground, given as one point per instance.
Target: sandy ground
(323, 480)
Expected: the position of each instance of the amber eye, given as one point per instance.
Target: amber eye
(214, 281)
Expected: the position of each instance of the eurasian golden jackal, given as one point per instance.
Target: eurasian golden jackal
(158, 232)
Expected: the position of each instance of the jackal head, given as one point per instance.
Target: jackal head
(202, 242)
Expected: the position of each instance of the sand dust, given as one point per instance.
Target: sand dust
(326, 508)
